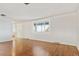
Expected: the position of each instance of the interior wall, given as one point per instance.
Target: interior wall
(78, 27)
(5, 29)
(66, 28)
(63, 29)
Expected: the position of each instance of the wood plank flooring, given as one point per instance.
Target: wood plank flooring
(6, 48)
(27, 47)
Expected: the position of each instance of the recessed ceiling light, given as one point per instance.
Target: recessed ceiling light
(26, 3)
(2, 14)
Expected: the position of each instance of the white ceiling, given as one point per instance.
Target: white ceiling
(20, 11)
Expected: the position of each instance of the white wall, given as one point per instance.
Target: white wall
(66, 28)
(5, 29)
(63, 29)
(78, 27)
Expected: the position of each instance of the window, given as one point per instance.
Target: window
(41, 26)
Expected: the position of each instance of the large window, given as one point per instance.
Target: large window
(41, 27)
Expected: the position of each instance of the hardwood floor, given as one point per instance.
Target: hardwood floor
(6, 48)
(27, 47)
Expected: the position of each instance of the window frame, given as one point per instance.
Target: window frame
(41, 23)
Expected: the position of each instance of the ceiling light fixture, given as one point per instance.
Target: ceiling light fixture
(2, 14)
(26, 3)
